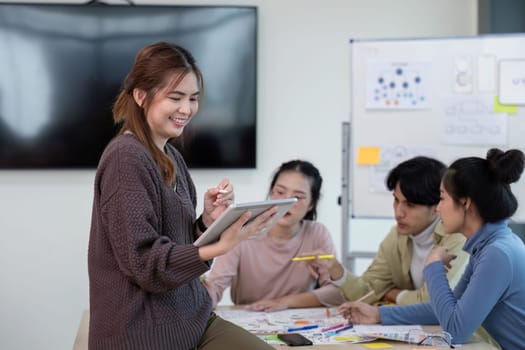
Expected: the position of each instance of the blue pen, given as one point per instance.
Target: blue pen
(304, 328)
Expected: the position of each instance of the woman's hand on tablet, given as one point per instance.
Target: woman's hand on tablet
(237, 232)
(216, 200)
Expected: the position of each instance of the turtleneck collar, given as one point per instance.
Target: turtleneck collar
(486, 232)
(426, 237)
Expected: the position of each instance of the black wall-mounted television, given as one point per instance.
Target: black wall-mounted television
(62, 65)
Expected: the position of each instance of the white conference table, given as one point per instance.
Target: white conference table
(475, 343)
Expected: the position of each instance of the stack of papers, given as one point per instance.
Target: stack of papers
(399, 333)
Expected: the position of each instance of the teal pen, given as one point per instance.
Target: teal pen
(334, 332)
(304, 328)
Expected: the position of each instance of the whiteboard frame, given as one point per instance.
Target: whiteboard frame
(349, 180)
(446, 153)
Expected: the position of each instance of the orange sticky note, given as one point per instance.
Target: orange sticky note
(368, 155)
(377, 345)
(499, 108)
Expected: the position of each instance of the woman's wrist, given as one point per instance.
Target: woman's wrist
(211, 251)
(201, 225)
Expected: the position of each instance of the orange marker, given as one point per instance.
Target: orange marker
(301, 322)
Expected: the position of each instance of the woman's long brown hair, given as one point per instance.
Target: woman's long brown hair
(157, 68)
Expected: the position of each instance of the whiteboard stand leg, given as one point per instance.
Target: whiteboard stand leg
(347, 260)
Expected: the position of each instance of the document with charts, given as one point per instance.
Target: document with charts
(386, 332)
(268, 324)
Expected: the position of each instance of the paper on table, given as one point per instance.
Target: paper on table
(279, 321)
(386, 332)
(252, 321)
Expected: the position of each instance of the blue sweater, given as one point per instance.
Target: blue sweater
(491, 292)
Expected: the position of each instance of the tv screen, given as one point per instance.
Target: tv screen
(61, 68)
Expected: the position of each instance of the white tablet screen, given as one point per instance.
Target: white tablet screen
(234, 211)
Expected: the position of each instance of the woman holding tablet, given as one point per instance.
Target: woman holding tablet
(476, 199)
(144, 269)
(261, 272)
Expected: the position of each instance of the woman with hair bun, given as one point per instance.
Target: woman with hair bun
(476, 199)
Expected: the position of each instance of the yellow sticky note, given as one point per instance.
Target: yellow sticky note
(368, 155)
(499, 108)
(377, 345)
(343, 338)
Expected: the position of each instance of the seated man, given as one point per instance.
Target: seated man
(396, 273)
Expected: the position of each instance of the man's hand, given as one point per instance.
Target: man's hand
(392, 294)
(332, 265)
(359, 312)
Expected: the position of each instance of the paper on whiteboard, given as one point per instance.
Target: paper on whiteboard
(397, 85)
(472, 121)
(487, 73)
(512, 82)
(392, 155)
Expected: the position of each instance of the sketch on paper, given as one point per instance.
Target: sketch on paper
(397, 85)
(487, 73)
(512, 82)
(472, 121)
(322, 321)
(392, 155)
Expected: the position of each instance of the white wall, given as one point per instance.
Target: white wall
(303, 88)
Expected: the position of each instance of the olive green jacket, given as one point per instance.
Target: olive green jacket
(391, 268)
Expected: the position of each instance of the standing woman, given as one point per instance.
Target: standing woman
(476, 200)
(144, 270)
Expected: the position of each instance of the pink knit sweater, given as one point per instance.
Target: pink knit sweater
(262, 269)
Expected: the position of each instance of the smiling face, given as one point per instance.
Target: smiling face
(411, 218)
(293, 184)
(170, 111)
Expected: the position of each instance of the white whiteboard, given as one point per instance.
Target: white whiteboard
(440, 97)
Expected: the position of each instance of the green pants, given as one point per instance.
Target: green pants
(221, 334)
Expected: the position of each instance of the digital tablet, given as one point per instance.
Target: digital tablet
(235, 210)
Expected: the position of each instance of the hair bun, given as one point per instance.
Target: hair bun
(506, 166)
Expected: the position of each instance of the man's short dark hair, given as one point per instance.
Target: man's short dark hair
(419, 179)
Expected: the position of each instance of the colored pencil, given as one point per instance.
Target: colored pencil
(312, 257)
(366, 296)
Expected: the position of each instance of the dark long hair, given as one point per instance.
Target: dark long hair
(157, 66)
(486, 182)
(311, 173)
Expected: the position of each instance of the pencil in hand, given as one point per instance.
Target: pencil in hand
(370, 293)
(312, 257)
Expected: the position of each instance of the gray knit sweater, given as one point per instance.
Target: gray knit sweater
(144, 271)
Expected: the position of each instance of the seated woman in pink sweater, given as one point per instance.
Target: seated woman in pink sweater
(261, 272)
